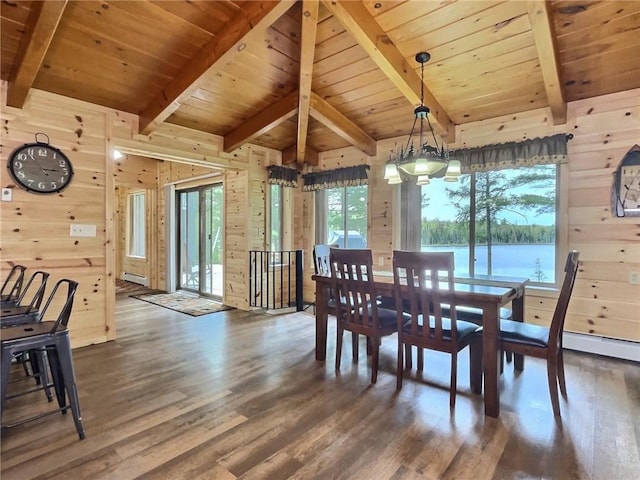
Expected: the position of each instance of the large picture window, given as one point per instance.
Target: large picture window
(137, 225)
(275, 217)
(346, 216)
(496, 222)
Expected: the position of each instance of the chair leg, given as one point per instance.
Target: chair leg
(454, 377)
(561, 381)
(408, 357)
(502, 354)
(58, 381)
(43, 375)
(552, 372)
(339, 335)
(400, 364)
(66, 364)
(509, 356)
(375, 347)
(475, 360)
(6, 367)
(355, 338)
(420, 354)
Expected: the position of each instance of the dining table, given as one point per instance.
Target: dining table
(486, 293)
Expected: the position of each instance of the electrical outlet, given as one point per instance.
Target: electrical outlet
(381, 261)
(634, 278)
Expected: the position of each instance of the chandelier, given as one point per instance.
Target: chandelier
(425, 161)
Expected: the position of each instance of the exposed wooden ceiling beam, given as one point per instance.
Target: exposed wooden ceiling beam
(289, 156)
(338, 123)
(271, 117)
(307, 52)
(546, 45)
(251, 20)
(356, 19)
(39, 30)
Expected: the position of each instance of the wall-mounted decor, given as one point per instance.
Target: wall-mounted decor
(40, 168)
(626, 185)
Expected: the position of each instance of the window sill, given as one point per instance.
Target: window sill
(539, 291)
(136, 257)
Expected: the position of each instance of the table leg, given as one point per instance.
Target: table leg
(517, 306)
(490, 364)
(322, 302)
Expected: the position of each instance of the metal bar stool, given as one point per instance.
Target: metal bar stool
(52, 337)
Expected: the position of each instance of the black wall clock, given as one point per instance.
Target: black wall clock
(40, 168)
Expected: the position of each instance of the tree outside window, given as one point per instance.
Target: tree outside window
(497, 222)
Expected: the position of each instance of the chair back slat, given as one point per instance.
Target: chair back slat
(12, 285)
(425, 276)
(353, 285)
(37, 289)
(560, 312)
(62, 319)
(321, 260)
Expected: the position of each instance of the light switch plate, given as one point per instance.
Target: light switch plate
(79, 230)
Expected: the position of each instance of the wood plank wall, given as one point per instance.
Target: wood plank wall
(604, 303)
(35, 228)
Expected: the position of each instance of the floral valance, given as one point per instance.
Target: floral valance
(536, 151)
(340, 177)
(286, 177)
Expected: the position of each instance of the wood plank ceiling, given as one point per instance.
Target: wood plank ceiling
(308, 76)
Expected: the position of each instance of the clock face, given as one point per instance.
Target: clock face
(40, 168)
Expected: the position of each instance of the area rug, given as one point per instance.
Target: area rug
(184, 303)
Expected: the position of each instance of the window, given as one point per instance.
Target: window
(275, 217)
(137, 224)
(497, 223)
(346, 216)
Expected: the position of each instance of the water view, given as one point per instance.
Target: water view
(535, 261)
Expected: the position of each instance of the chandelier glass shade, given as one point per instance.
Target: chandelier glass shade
(425, 161)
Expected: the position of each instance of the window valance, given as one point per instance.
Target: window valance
(340, 177)
(536, 151)
(286, 177)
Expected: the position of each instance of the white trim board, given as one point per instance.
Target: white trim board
(609, 347)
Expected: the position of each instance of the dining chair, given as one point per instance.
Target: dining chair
(544, 342)
(50, 337)
(24, 312)
(357, 308)
(421, 278)
(12, 286)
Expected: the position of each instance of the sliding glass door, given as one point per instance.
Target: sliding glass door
(200, 253)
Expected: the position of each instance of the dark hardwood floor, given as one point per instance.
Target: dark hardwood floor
(237, 395)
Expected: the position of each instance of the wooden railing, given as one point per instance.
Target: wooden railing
(275, 279)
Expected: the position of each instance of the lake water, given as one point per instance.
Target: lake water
(508, 260)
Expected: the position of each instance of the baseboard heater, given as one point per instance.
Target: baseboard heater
(132, 277)
(610, 347)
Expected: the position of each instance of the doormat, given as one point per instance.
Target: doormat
(184, 303)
